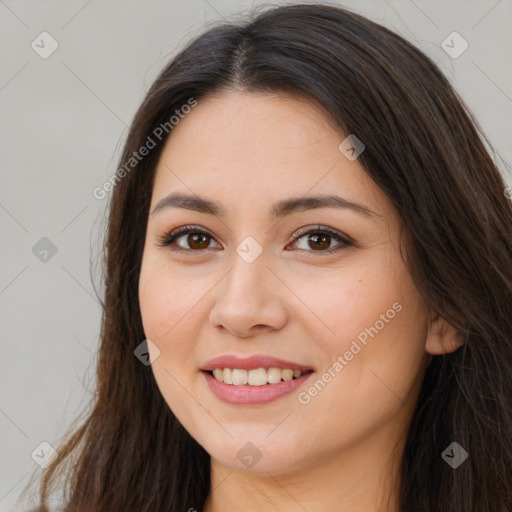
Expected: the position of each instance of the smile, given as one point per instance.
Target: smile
(256, 377)
(241, 392)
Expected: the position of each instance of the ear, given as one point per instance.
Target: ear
(442, 337)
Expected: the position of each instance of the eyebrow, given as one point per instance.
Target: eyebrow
(277, 211)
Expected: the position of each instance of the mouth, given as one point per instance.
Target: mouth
(254, 387)
(257, 376)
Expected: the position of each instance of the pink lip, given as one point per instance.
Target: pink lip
(251, 363)
(252, 395)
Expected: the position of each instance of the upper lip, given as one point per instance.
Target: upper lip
(251, 363)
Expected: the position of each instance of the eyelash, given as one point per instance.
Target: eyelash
(169, 238)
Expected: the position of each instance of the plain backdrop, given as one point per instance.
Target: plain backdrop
(64, 117)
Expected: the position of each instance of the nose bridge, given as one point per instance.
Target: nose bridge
(247, 297)
(249, 261)
(249, 275)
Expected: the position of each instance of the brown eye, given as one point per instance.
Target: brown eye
(198, 240)
(187, 238)
(319, 241)
(194, 239)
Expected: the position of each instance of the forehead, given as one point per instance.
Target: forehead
(248, 126)
(255, 147)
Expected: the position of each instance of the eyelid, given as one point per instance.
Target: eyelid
(320, 228)
(344, 240)
(171, 236)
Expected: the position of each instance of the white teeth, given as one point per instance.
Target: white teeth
(227, 376)
(287, 374)
(239, 377)
(256, 377)
(274, 375)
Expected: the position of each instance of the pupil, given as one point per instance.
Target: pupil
(315, 239)
(198, 243)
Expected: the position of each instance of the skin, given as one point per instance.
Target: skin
(296, 301)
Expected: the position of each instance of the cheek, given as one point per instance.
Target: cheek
(166, 294)
(377, 323)
(343, 303)
(364, 385)
(167, 307)
(167, 304)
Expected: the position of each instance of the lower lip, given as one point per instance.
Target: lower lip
(252, 395)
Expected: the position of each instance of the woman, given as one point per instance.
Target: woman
(308, 286)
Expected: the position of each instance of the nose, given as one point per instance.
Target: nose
(250, 300)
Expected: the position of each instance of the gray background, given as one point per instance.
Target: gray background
(64, 119)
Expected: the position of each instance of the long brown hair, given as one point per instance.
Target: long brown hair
(425, 150)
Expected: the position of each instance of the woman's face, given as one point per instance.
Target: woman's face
(254, 284)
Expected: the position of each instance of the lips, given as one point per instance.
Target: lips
(246, 395)
(238, 392)
(252, 363)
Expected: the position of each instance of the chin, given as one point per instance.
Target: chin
(255, 454)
